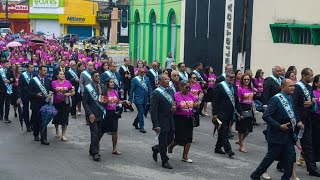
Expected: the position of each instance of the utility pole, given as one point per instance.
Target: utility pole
(7, 10)
(109, 22)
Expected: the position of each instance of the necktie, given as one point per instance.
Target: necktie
(42, 81)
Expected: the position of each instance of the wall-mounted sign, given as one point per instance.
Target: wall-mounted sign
(46, 3)
(124, 23)
(15, 8)
(103, 16)
(76, 19)
(228, 33)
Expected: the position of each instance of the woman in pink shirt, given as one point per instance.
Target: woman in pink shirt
(210, 78)
(245, 125)
(257, 82)
(238, 74)
(186, 102)
(316, 117)
(196, 90)
(63, 90)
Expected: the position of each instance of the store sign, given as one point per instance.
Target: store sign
(124, 23)
(228, 32)
(103, 16)
(16, 8)
(46, 3)
(76, 19)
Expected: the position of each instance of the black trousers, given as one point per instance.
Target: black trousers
(25, 112)
(73, 109)
(274, 151)
(165, 139)
(37, 125)
(96, 135)
(223, 140)
(306, 143)
(4, 103)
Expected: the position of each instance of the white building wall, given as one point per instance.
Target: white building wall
(265, 53)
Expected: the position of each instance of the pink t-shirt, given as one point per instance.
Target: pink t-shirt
(59, 89)
(184, 103)
(195, 89)
(237, 83)
(258, 83)
(316, 93)
(245, 95)
(211, 79)
(113, 100)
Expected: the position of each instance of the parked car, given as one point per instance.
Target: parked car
(94, 40)
(66, 38)
(4, 31)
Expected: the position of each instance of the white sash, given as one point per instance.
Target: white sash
(171, 85)
(305, 90)
(4, 78)
(73, 74)
(198, 74)
(41, 87)
(143, 84)
(229, 93)
(289, 110)
(26, 77)
(124, 68)
(155, 75)
(183, 76)
(114, 77)
(165, 95)
(95, 97)
(87, 74)
(278, 81)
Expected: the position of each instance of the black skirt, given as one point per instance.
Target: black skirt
(245, 125)
(316, 136)
(14, 96)
(110, 123)
(62, 118)
(184, 130)
(209, 96)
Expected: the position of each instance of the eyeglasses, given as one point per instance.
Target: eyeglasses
(175, 75)
(246, 79)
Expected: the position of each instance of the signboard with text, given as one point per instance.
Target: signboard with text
(15, 8)
(45, 3)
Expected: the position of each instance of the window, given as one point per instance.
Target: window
(305, 36)
(284, 36)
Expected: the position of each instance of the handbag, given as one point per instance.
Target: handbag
(247, 114)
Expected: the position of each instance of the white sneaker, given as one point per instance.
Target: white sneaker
(187, 160)
(265, 176)
(294, 178)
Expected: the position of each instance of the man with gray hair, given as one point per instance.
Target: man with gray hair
(174, 83)
(72, 76)
(271, 85)
(227, 68)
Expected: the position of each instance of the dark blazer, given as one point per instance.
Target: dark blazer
(126, 81)
(36, 101)
(298, 98)
(220, 79)
(90, 106)
(221, 104)
(138, 94)
(161, 114)
(3, 87)
(73, 80)
(104, 76)
(23, 87)
(152, 79)
(270, 88)
(274, 116)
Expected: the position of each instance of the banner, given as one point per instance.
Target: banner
(46, 3)
(15, 8)
(228, 33)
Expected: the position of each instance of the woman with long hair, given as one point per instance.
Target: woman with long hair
(238, 74)
(196, 90)
(63, 90)
(210, 78)
(257, 82)
(291, 75)
(139, 65)
(294, 70)
(103, 68)
(16, 70)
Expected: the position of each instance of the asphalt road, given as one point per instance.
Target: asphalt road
(21, 158)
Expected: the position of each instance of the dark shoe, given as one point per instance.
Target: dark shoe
(96, 157)
(74, 117)
(7, 121)
(44, 142)
(131, 109)
(136, 126)
(154, 155)
(254, 178)
(279, 168)
(315, 173)
(219, 151)
(146, 115)
(28, 129)
(36, 138)
(15, 115)
(230, 153)
(143, 131)
(167, 165)
(230, 135)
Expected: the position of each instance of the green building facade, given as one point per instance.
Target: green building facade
(155, 29)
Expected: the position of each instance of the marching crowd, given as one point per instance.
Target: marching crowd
(176, 98)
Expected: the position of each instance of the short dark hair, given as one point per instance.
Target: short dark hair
(28, 65)
(305, 72)
(180, 64)
(79, 64)
(40, 67)
(95, 72)
(197, 64)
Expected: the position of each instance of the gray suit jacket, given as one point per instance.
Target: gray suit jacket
(84, 80)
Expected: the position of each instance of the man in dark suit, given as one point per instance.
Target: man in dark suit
(271, 85)
(73, 77)
(153, 74)
(162, 108)
(23, 94)
(222, 77)
(127, 73)
(304, 105)
(183, 75)
(225, 107)
(6, 81)
(140, 94)
(61, 67)
(283, 122)
(113, 74)
(96, 112)
(39, 87)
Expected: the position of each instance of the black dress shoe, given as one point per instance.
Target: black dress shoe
(315, 173)
(230, 153)
(219, 151)
(136, 126)
(74, 117)
(96, 157)
(15, 115)
(131, 109)
(7, 121)
(167, 165)
(44, 142)
(36, 138)
(154, 155)
(28, 129)
(280, 168)
(143, 131)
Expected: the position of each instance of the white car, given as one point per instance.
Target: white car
(4, 31)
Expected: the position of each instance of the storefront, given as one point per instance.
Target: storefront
(83, 26)
(18, 17)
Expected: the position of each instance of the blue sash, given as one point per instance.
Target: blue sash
(4, 78)
(183, 76)
(95, 97)
(165, 94)
(171, 85)
(229, 93)
(114, 77)
(142, 83)
(73, 74)
(198, 74)
(42, 88)
(26, 77)
(278, 81)
(87, 74)
(305, 90)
